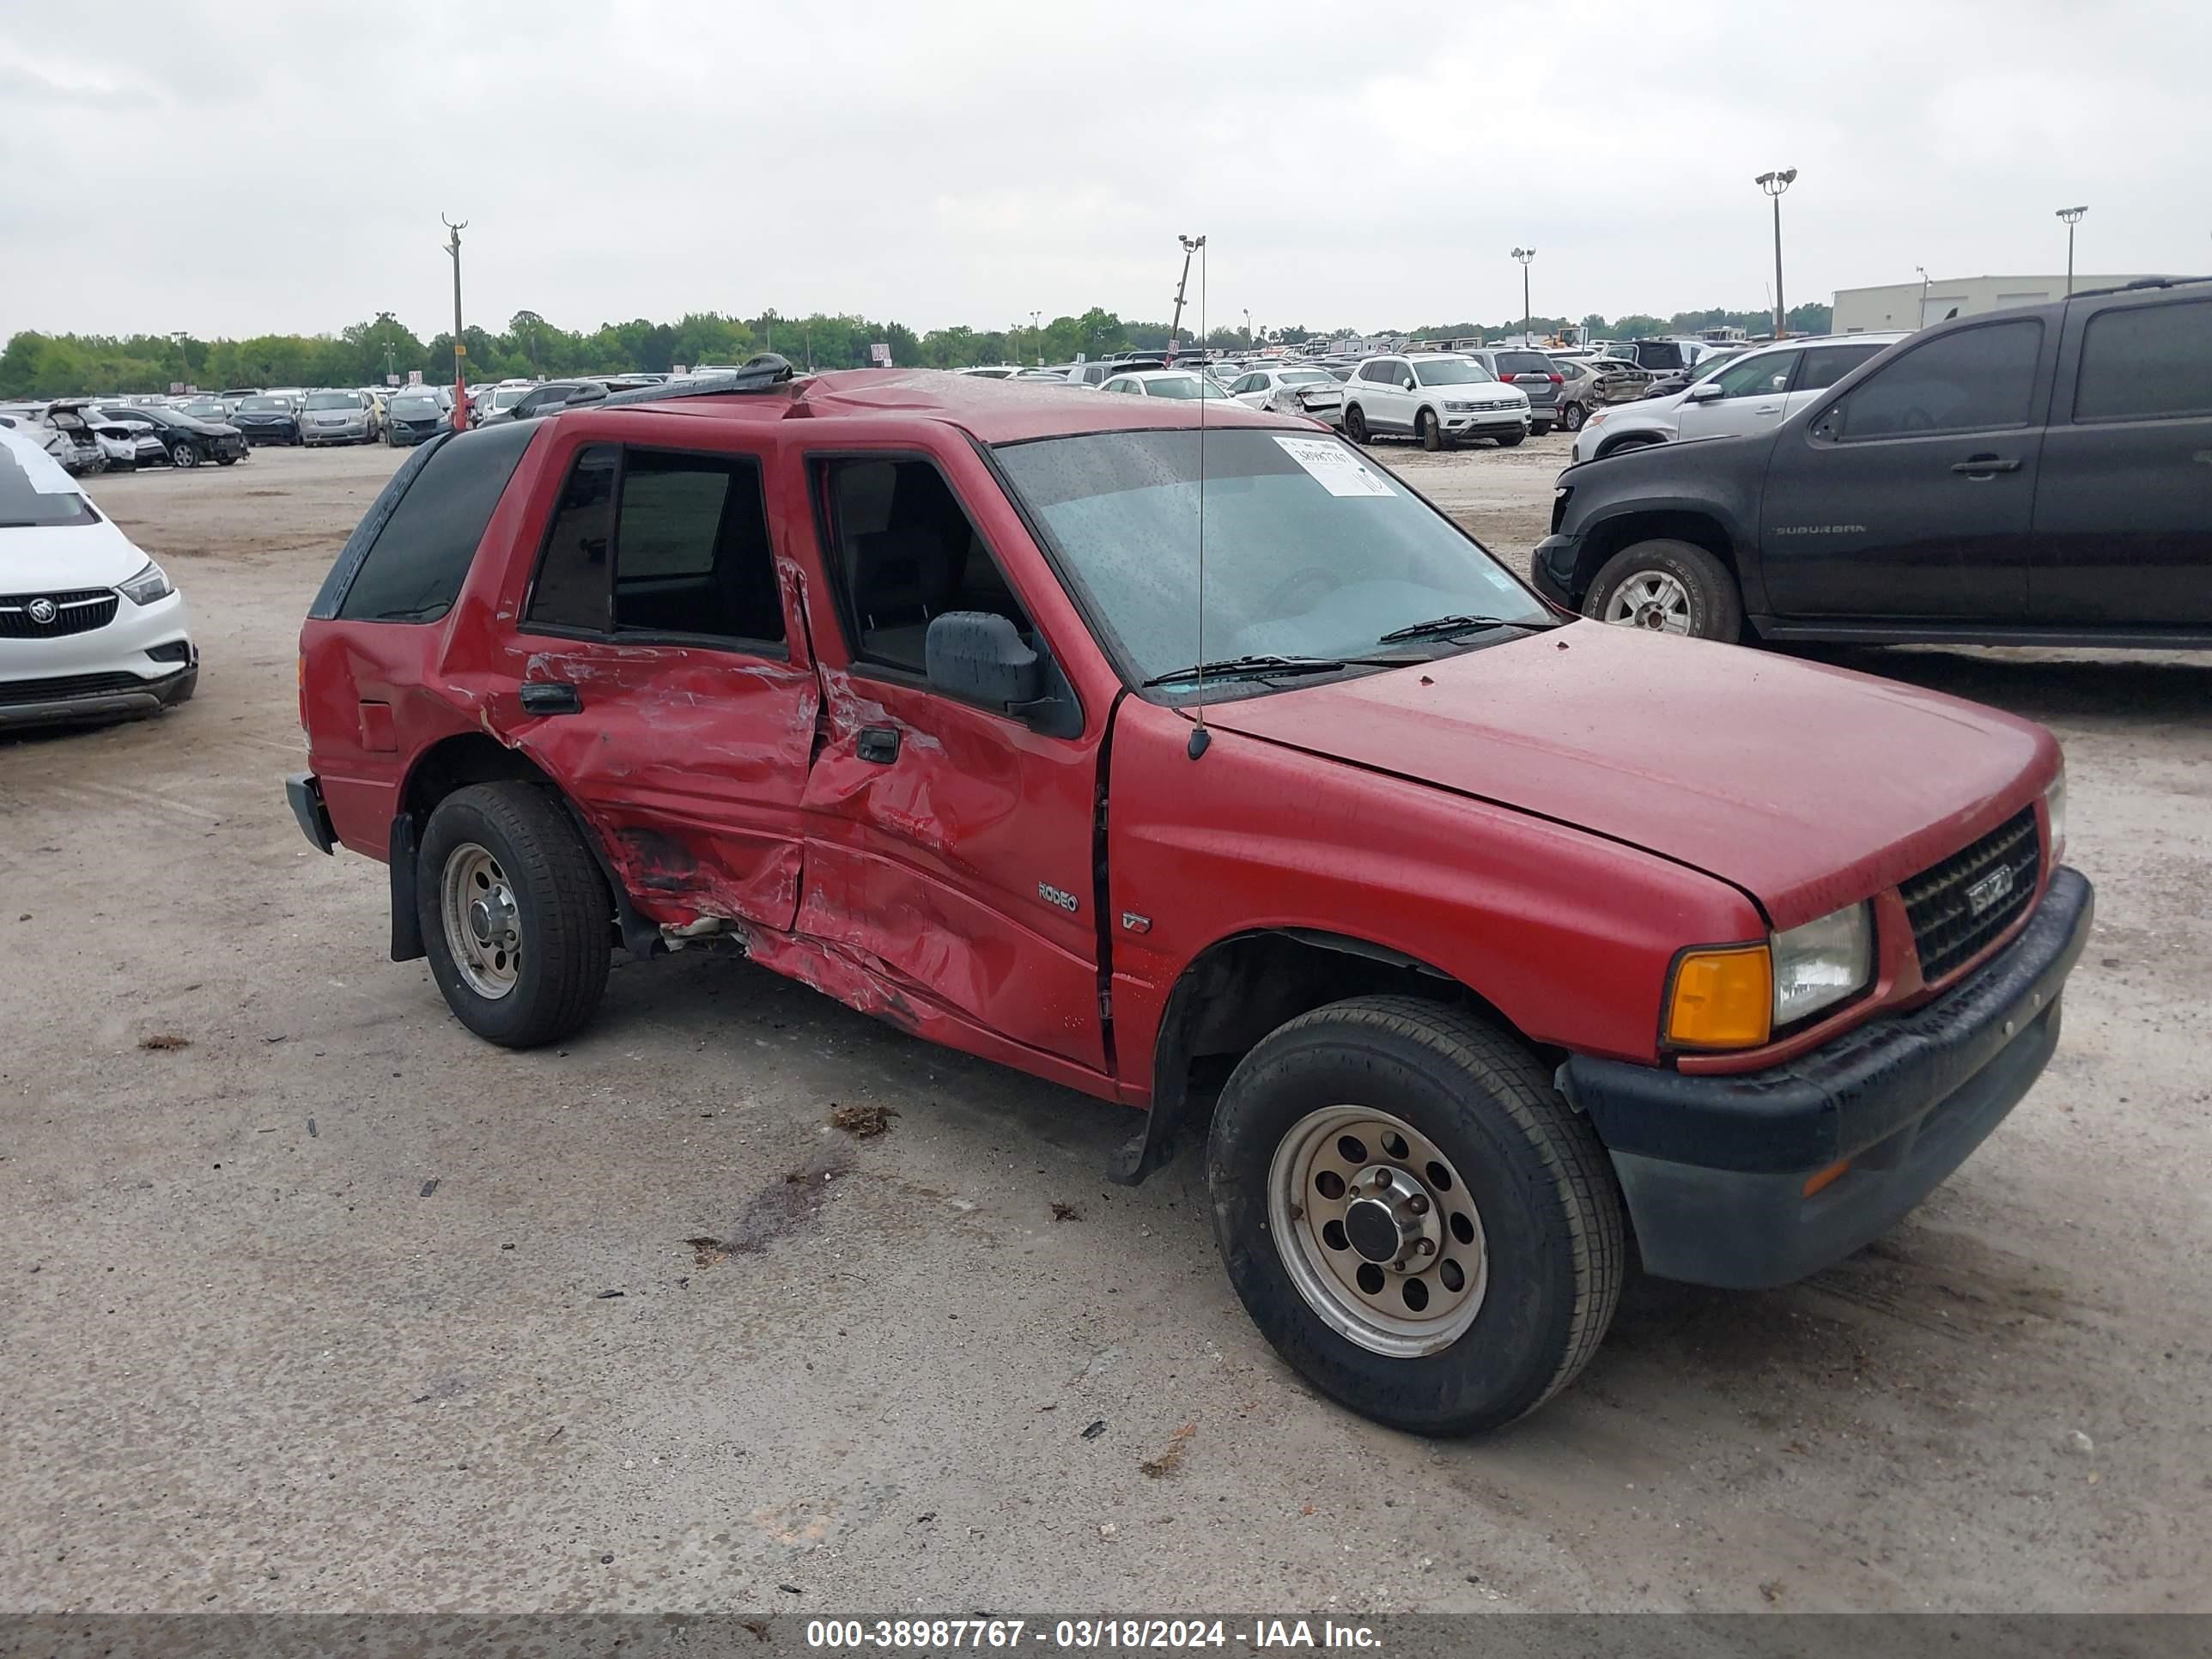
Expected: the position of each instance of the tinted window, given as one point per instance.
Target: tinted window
(1523, 363)
(1454, 371)
(1969, 380)
(1823, 366)
(573, 587)
(415, 567)
(2145, 362)
(34, 491)
(906, 552)
(692, 554)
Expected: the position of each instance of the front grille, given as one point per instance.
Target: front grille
(15, 693)
(1940, 902)
(77, 611)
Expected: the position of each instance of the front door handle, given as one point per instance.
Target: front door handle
(878, 743)
(1980, 466)
(551, 698)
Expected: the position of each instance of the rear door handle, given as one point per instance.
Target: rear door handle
(551, 698)
(878, 743)
(1982, 465)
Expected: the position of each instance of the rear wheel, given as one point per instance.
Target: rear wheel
(1430, 430)
(226, 460)
(1355, 424)
(1667, 587)
(1412, 1216)
(514, 916)
(1508, 440)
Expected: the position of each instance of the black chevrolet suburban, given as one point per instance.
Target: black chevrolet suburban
(2038, 476)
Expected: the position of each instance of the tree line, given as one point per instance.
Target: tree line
(36, 365)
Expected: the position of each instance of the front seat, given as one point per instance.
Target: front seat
(901, 579)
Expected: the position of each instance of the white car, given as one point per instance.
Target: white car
(1169, 383)
(1439, 397)
(1291, 389)
(90, 628)
(1754, 392)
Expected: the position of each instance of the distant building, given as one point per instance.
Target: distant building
(1905, 305)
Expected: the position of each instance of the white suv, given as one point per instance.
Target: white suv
(1753, 392)
(90, 628)
(1437, 397)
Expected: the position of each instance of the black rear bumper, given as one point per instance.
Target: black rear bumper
(1714, 1169)
(305, 791)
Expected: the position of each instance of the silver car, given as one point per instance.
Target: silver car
(337, 417)
(1291, 389)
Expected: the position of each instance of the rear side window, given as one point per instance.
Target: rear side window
(2146, 363)
(1974, 380)
(415, 567)
(665, 543)
(1825, 364)
(1523, 363)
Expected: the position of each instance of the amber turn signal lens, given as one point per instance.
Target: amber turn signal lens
(1822, 1179)
(1721, 998)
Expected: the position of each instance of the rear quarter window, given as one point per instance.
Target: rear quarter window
(411, 556)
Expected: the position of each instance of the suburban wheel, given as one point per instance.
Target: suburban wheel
(1430, 430)
(1635, 440)
(1412, 1216)
(1508, 440)
(1572, 417)
(514, 914)
(1355, 425)
(1669, 587)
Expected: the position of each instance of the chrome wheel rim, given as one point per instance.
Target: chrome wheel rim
(1378, 1231)
(1652, 600)
(484, 924)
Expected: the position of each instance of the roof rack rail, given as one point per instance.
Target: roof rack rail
(2139, 282)
(762, 371)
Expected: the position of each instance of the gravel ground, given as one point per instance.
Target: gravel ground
(321, 1304)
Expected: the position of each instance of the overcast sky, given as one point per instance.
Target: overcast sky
(230, 169)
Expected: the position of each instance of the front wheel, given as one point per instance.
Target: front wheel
(1412, 1216)
(1431, 431)
(1667, 587)
(514, 914)
(226, 460)
(1355, 424)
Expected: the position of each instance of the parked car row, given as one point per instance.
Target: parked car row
(83, 435)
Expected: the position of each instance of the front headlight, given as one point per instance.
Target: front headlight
(148, 584)
(2054, 802)
(1459, 409)
(1822, 963)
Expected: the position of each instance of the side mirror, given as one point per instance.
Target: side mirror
(1703, 392)
(1406, 383)
(979, 658)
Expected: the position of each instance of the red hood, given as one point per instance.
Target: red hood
(1807, 786)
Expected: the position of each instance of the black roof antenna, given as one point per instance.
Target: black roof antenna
(1200, 738)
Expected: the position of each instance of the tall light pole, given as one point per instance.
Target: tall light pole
(1036, 335)
(2073, 217)
(1774, 183)
(1249, 341)
(1524, 255)
(1923, 269)
(460, 348)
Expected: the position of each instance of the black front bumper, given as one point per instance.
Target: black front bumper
(305, 791)
(1552, 568)
(1714, 1169)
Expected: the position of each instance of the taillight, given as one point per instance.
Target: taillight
(1557, 380)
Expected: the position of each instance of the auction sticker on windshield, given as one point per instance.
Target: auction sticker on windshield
(1337, 470)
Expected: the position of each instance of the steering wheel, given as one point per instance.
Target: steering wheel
(1278, 600)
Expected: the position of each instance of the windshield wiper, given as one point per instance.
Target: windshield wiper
(1438, 626)
(1260, 666)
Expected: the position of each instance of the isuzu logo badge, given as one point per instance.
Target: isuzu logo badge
(1989, 889)
(43, 612)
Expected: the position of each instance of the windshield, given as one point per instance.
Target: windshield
(334, 400)
(1183, 385)
(34, 491)
(1308, 550)
(277, 404)
(507, 396)
(415, 403)
(1452, 371)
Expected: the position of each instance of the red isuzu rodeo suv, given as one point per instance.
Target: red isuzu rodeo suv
(1472, 941)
